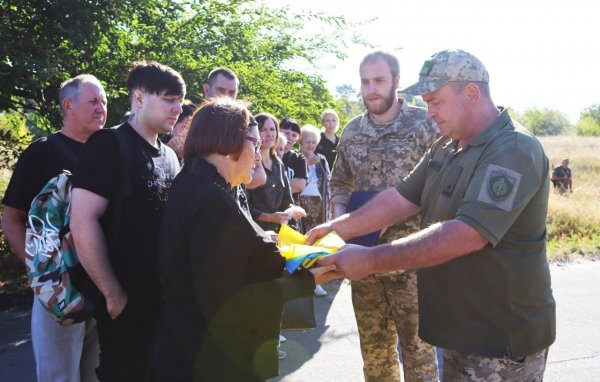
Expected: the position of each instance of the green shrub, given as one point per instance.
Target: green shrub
(587, 126)
(14, 137)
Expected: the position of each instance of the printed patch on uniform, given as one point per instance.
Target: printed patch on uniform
(499, 187)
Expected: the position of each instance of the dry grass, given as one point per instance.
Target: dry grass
(574, 220)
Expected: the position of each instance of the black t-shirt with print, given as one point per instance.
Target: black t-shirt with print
(37, 164)
(295, 166)
(134, 258)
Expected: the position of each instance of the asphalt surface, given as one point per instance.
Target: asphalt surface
(331, 351)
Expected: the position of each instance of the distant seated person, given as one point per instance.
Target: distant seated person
(561, 177)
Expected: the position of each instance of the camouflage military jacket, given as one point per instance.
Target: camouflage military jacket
(374, 159)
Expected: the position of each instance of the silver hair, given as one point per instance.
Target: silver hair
(310, 129)
(70, 88)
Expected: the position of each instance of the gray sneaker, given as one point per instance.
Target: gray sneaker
(281, 354)
(320, 292)
(282, 339)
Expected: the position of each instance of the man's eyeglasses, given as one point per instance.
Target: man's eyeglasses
(257, 143)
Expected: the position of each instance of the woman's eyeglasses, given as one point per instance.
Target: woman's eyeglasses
(257, 143)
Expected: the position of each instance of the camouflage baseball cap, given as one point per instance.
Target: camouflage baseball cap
(448, 66)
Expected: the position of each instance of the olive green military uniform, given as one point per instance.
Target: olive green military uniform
(375, 157)
(496, 302)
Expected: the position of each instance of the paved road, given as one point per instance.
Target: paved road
(331, 351)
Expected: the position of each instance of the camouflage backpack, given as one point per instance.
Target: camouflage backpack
(57, 278)
(50, 252)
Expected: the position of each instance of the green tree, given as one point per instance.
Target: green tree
(591, 112)
(587, 126)
(45, 42)
(14, 137)
(348, 104)
(544, 121)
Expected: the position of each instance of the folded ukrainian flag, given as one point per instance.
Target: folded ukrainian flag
(292, 248)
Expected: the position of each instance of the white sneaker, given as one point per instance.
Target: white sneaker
(319, 291)
(282, 339)
(281, 354)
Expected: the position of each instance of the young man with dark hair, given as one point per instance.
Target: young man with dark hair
(124, 266)
(62, 353)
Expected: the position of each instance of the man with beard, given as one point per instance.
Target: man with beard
(376, 150)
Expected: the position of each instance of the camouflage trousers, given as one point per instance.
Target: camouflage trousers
(386, 310)
(313, 205)
(461, 367)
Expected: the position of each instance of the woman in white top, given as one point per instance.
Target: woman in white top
(315, 197)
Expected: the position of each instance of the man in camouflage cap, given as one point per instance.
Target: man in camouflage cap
(483, 277)
(376, 150)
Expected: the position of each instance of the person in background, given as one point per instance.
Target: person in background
(329, 140)
(221, 82)
(280, 149)
(294, 162)
(222, 293)
(271, 204)
(176, 139)
(315, 197)
(561, 177)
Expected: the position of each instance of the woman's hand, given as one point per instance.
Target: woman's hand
(272, 235)
(295, 212)
(312, 159)
(325, 274)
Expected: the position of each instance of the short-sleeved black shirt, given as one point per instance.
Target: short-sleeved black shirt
(295, 164)
(497, 299)
(38, 163)
(134, 259)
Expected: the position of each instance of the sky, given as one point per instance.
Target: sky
(540, 54)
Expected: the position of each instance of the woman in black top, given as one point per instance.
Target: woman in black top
(221, 287)
(329, 141)
(272, 203)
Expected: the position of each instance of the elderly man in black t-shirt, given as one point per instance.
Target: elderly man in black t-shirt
(65, 353)
(124, 265)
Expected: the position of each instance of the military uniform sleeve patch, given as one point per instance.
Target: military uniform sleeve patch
(499, 187)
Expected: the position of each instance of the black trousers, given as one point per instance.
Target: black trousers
(126, 342)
